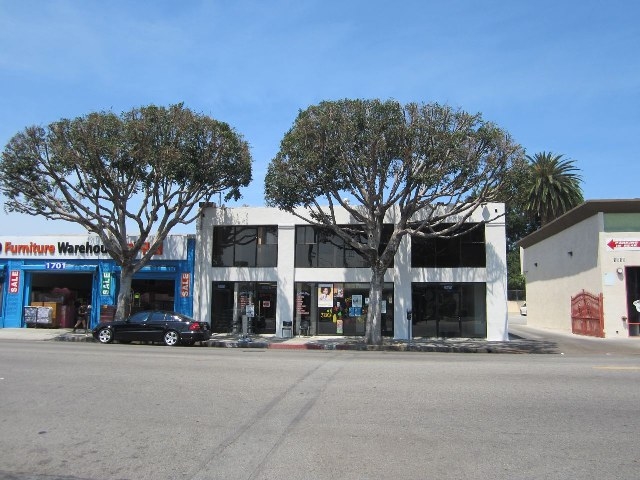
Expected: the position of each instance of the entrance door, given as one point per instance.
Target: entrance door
(63, 292)
(436, 311)
(222, 307)
(236, 306)
(449, 310)
(632, 275)
(152, 294)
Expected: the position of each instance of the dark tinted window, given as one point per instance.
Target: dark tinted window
(157, 317)
(467, 250)
(223, 242)
(267, 247)
(318, 247)
(245, 246)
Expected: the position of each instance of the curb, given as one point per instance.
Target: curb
(436, 346)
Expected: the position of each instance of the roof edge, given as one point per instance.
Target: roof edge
(577, 214)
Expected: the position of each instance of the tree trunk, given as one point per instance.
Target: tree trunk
(123, 308)
(373, 332)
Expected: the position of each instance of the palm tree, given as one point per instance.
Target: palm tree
(555, 186)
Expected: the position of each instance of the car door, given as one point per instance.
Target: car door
(133, 328)
(156, 326)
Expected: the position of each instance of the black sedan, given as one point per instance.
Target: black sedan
(154, 326)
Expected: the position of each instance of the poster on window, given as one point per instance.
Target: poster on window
(356, 301)
(338, 290)
(303, 303)
(325, 295)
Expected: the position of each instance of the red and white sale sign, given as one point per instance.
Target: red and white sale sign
(185, 285)
(14, 281)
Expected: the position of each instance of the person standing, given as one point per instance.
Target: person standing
(81, 317)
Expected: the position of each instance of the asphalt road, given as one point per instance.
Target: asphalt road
(566, 343)
(89, 411)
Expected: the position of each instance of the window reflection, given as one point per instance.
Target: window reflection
(245, 246)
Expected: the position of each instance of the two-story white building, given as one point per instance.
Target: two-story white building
(265, 269)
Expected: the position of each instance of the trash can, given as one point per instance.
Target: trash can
(287, 329)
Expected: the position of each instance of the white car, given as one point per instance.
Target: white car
(523, 309)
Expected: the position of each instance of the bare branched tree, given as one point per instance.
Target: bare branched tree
(425, 166)
(127, 178)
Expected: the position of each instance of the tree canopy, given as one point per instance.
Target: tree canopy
(540, 189)
(426, 163)
(554, 187)
(127, 178)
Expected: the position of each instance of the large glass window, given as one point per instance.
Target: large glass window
(245, 246)
(339, 308)
(320, 248)
(243, 307)
(467, 250)
(449, 310)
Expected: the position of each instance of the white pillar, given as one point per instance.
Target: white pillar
(286, 275)
(496, 252)
(402, 289)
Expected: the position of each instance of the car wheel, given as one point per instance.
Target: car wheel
(105, 335)
(171, 338)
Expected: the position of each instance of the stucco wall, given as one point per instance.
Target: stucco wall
(402, 275)
(557, 268)
(614, 263)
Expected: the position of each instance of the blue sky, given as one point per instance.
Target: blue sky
(560, 76)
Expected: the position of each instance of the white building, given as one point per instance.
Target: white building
(595, 248)
(265, 267)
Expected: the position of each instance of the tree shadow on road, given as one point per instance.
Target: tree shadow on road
(527, 345)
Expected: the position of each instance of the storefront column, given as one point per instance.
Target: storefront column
(402, 289)
(496, 252)
(14, 290)
(286, 276)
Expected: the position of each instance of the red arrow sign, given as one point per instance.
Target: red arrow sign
(613, 244)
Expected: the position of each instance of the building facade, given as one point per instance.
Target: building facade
(264, 270)
(61, 272)
(593, 248)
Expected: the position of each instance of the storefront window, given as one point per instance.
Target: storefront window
(339, 308)
(449, 310)
(243, 307)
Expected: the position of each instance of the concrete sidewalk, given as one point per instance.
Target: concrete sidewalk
(457, 345)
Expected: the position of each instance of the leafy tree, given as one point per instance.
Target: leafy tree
(542, 172)
(128, 178)
(555, 186)
(518, 222)
(420, 165)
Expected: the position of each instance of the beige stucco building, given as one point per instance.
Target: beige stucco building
(594, 247)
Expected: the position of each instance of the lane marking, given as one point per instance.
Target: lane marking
(615, 368)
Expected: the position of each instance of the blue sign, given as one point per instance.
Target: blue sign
(55, 265)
